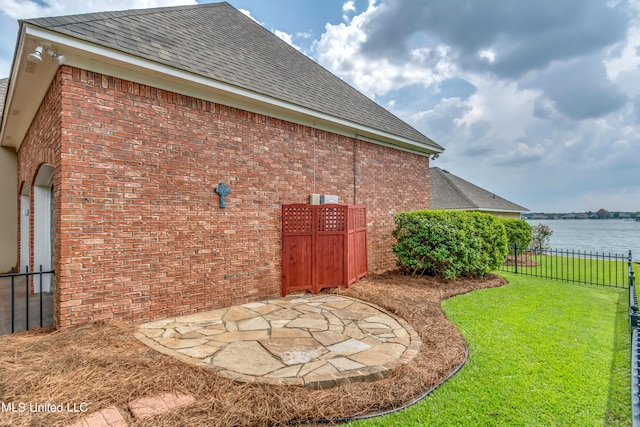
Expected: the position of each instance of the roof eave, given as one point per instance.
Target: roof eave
(92, 57)
(485, 209)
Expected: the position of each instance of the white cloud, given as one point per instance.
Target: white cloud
(522, 137)
(287, 37)
(339, 49)
(349, 6)
(248, 13)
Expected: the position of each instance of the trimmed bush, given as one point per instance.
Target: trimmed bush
(449, 244)
(518, 232)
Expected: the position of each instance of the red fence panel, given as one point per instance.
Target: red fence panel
(357, 242)
(323, 246)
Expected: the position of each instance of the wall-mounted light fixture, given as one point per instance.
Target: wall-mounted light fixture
(36, 55)
(56, 56)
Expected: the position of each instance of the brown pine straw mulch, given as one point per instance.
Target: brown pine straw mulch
(524, 260)
(103, 365)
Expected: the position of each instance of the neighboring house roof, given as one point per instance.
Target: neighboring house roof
(3, 93)
(220, 43)
(449, 191)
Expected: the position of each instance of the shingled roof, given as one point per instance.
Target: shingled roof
(219, 42)
(3, 93)
(452, 192)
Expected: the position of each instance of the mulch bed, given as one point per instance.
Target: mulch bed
(103, 365)
(524, 260)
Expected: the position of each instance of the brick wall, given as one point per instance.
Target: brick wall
(140, 233)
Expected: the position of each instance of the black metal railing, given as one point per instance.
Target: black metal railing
(634, 317)
(595, 268)
(23, 304)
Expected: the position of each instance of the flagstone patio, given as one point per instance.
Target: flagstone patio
(318, 341)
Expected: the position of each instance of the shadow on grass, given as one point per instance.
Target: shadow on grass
(619, 400)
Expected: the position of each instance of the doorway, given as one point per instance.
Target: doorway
(43, 226)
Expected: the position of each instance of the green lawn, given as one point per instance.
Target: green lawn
(542, 353)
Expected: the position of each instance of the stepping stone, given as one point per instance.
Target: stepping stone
(177, 343)
(253, 305)
(350, 346)
(387, 353)
(108, 417)
(294, 351)
(315, 324)
(364, 308)
(353, 331)
(257, 323)
(278, 323)
(185, 329)
(158, 324)
(344, 364)
(384, 319)
(238, 313)
(266, 309)
(366, 326)
(337, 305)
(286, 314)
(289, 371)
(152, 333)
(149, 406)
(310, 367)
(329, 337)
(235, 336)
(246, 357)
(200, 352)
(289, 333)
(189, 336)
(349, 314)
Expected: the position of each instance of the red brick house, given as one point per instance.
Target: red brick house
(129, 121)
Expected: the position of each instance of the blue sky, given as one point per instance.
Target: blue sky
(538, 102)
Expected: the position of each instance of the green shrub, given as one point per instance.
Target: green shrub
(518, 232)
(449, 244)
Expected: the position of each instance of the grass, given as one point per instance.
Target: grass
(542, 353)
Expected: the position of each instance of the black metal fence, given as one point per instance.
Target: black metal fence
(23, 305)
(595, 268)
(634, 316)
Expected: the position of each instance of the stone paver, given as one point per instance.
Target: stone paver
(318, 341)
(108, 417)
(165, 402)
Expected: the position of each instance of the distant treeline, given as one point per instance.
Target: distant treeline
(600, 214)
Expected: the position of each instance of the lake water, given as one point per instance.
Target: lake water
(609, 236)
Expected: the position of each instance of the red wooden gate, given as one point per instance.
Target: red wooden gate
(323, 246)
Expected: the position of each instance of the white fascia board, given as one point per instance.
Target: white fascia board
(131, 67)
(11, 84)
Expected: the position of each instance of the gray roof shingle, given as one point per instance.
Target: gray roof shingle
(3, 93)
(219, 42)
(451, 192)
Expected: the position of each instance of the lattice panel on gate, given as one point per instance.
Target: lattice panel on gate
(331, 218)
(297, 219)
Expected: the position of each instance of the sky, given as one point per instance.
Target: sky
(535, 101)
